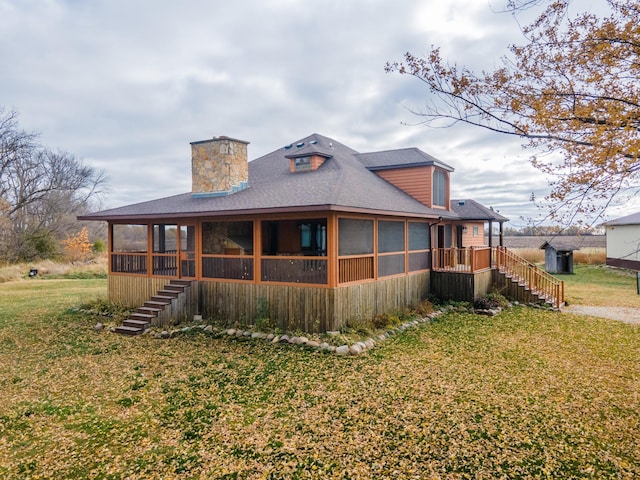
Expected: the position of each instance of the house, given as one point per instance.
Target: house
(474, 217)
(315, 232)
(623, 242)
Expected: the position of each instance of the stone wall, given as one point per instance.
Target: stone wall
(219, 166)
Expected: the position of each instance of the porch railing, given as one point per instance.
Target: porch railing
(538, 281)
(468, 260)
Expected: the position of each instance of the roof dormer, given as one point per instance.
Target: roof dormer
(306, 157)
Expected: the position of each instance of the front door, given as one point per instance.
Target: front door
(187, 251)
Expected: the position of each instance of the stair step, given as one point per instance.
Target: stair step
(145, 317)
(174, 288)
(124, 330)
(183, 283)
(153, 304)
(134, 322)
(168, 293)
(162, 299)
(149, 310)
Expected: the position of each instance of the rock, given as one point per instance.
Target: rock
(333, 333)
(256, 335)
(369, 343)
(284, 339)
(331, 349)
(239, 333)
(382, 337)
(275, 339)
(342, 350)
(208, 329)
(303, 340)
(247, 334)
(355, 349)
(185, 329)
(98, 327)
(362, 345)
(324, 346)
(197, 318)
(230, 331)
(293, 340)
(164, 334)
(312, 344)
(270, 337)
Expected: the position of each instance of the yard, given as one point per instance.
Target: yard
(528, 393)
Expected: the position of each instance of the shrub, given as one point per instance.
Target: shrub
(490, 301)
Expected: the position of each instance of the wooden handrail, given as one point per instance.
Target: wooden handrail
(538, 281)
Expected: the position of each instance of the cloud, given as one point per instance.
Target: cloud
(127, 85)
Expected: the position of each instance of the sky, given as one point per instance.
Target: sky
(125, 85)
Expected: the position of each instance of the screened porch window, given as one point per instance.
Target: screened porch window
(355, 249)
(391, 248)
(227, 250)
(129, 248)
(419, 246)
(294, 251)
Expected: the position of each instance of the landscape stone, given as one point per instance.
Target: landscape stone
(231, 331)
(284, 339)
(355, 349)
(270, 337)
(208, 328)
(313, 344)
(342, 350)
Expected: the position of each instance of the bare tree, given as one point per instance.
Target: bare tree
(41, 192)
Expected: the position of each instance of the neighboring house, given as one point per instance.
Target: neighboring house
(315, 232)
(470, 232)
(623, 242)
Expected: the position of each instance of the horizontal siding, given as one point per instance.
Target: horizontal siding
(416, 181)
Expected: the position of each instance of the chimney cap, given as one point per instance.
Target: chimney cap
(220, 138)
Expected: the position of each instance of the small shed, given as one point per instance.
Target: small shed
(558, 256)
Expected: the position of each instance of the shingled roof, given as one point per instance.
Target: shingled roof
(344, 182)
(468, 209)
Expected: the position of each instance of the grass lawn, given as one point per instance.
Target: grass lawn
(598, 285)
(525, 394)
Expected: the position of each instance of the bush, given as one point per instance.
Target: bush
(491, 301)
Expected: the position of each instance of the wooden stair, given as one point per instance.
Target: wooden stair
(536, 284)
(140, 320)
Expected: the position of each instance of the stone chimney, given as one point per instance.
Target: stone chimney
(219, 167)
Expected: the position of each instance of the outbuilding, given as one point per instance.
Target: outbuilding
(558, 255)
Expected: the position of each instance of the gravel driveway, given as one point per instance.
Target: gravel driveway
(623, 314)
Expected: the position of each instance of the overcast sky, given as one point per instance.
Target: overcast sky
(125, 85)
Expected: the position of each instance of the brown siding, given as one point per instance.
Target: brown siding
(307, 308)
(416, 181)
(468, 240)
(620, 263)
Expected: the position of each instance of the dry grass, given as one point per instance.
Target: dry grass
(96, 268)
(585, 256)
(525, 394)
